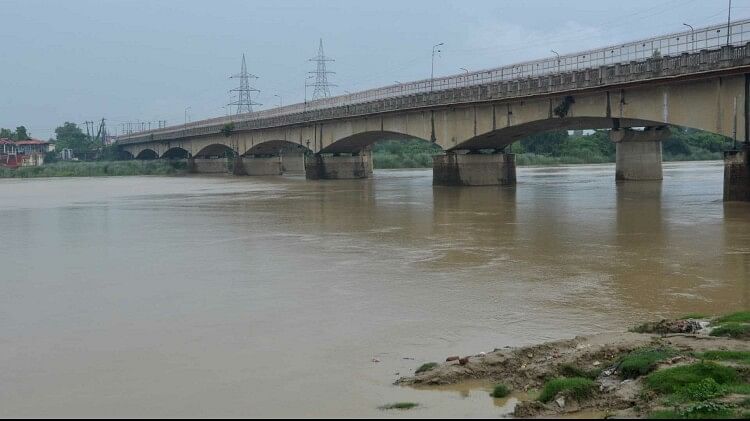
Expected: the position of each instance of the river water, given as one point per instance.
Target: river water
(221, 296)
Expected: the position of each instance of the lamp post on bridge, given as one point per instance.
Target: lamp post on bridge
(186, 118)
(466, 76)
(558, 60)
(432, 72)
(692, 36)
(279, 97)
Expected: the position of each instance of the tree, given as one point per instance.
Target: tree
(546, 143)
(21, 133)
(7, 134)
(70, 136)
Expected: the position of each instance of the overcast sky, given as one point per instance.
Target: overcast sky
(149, 60)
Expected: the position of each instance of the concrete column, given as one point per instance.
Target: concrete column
(322, 167)
(262, 165)
(638, 153)
(454, 169)
(737, 175)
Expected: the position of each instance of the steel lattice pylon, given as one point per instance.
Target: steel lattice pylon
(321, 75)
(243, 104)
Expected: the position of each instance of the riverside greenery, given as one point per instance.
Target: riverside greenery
(559, 147)
(98, 168)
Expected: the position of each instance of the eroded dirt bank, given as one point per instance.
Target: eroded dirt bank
(678, 368)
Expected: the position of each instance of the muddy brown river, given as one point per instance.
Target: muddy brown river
(250, 297)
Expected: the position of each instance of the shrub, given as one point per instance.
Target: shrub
(704, 390)
(576, 387)
(500, 391)
(426, 367)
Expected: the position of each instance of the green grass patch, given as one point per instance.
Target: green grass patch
(577, 387)
(738, 356)
(695, 316)
(400, 405)
(500, 391)
(701, 410)
(739, 317)
(426, 367)
(643, 361)
(732, 330)
(739, 389)
(704, 390)
(569, 370)
(673, 380)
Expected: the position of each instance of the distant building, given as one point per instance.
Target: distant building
(31, 146)
(66, 154)
(31, 152)
(8, 154)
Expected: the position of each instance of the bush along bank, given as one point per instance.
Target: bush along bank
(98, 168)
(691, 367)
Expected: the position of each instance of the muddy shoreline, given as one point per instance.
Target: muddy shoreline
(615, 374)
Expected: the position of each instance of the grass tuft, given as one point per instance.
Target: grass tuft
(569, 370)
(426, 367)
(732, 330)
(738, 356)
(500, 391)
(642, 361)
(673, 380)
(739, 317)
(399, 405)
(577, 387)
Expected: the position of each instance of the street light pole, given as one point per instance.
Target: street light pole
(692, 36)
(558, 60)
(280, 102)
(432, 72)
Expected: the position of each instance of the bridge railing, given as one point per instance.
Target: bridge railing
(707, 38)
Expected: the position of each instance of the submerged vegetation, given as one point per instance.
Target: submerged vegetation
(400, 405)
(500, 391)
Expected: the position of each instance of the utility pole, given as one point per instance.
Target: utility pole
(321, 74)
(244, 103)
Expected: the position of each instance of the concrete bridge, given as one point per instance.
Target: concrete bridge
(698, 79)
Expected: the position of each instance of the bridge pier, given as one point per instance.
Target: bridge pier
(638, 153)
(453, 169)
(324, 167)
(208, 165)
(737, 175)
(257, 165)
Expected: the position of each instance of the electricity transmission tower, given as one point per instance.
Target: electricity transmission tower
(321, 75)
(243, 103)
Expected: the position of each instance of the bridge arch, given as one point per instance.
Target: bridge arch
(276, 148)
(215, 150)
(356, 143)
(124, 155)
(176, 153)
(147, 154)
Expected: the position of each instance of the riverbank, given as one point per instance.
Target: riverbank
(97, 168)
(693, 367)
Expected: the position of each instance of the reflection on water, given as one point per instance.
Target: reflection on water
(217, 296)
